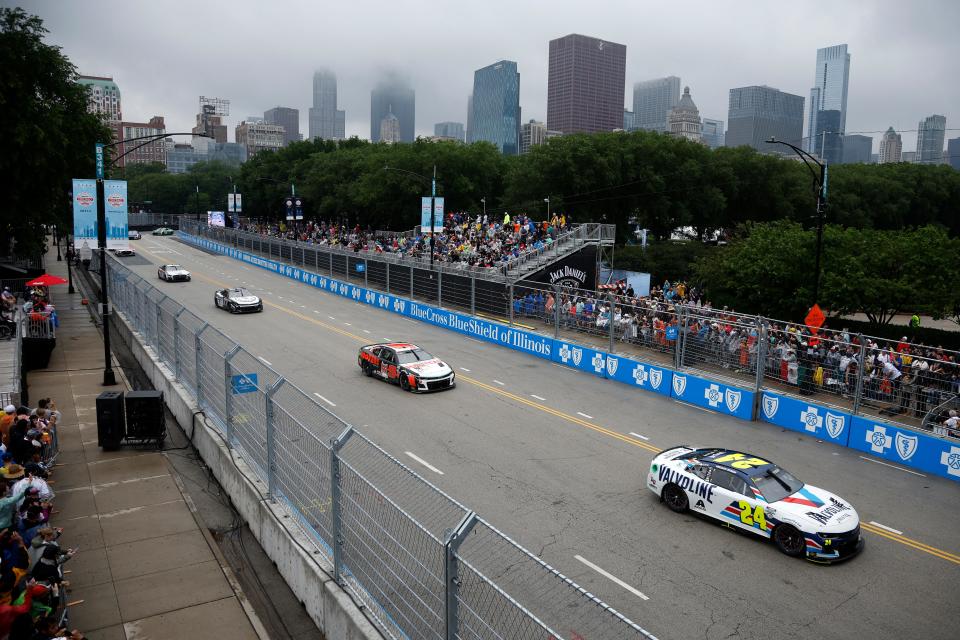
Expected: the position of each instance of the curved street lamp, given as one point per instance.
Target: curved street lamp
(820, 184)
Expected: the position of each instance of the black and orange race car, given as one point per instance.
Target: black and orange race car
(407, 365)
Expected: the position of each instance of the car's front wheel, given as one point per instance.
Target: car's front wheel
(789, 540)
(404, 382)
(675, 498)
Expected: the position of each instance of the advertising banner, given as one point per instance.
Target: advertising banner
(640, 374)
(921, 451)
(115, 204)
(580, 357)
(425, 214)
(85, 213)
(215, 219)
(438, 215)
(715, 396)
(814, 420)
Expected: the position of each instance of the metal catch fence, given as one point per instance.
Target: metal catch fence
(420, 564)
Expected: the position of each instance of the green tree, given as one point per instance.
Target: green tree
(48, 133)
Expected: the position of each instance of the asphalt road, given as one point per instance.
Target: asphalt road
(557, 460)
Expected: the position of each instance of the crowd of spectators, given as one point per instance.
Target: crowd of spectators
(32, 585)
(37, 309)
(468, 240)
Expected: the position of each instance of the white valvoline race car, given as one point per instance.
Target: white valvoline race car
(746, 492)
(237, 300)
(173, 273)
(407, 365)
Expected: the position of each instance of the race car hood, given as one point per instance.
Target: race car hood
(815, 509)
(178, 272)
(246, 300)
(429, 368)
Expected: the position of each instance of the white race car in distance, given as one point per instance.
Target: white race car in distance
(237, 300)
(746, 492)
(173, 273)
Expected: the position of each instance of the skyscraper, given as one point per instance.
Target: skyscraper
(469, 131)
(827, 143)
(891, 147)
(287, 118)
(449, 130)
(652, 100)
(683, 121)
(829, 92)
(953, 153)
(759, 113)
(389, 128)
(585, 84)
(857, 149)
(396, 97)
(713, 135)
(930, 134)
(325, 120)
(104, 96)
(496, 106)
(532, 133)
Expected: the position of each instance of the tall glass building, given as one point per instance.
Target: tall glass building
(829, 93)
(325, 120)
(652, 101)
(393, 96)
(930, 135)
(759, 113)
(496, 106)
(713, 135)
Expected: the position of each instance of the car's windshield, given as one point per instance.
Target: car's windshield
(239, 293)
(776, 484)
(414, 355)
(173, 267)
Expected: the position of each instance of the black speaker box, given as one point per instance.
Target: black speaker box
(110, 423)
(145, 420)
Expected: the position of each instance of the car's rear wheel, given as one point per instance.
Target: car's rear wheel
(675, 498)
(365, 367)
(789, 540)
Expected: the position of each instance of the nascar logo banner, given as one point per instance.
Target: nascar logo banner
(817, 421)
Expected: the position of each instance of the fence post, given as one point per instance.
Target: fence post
(610, 300)
(366, 281)
(451, 572)
(440, 289)
(336, 516)
(680, 348)
(861, 363)
(176, 343)
(557, 310)
(228, 392)
(316, 258)
(159, 312)
(510, 304)
(473, 295)
(388, 277)
(198, 346)
(761, 364)
(330, 257)
(271, 435)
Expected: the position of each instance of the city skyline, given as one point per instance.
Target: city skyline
(742, 54)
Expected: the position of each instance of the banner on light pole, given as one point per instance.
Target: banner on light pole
(115, 206)
(84, 213)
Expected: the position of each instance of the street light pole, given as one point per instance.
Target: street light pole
(484, 201)
(547, 200)
(433, 209)
(820, 182)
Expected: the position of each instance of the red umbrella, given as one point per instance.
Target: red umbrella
(46, 280)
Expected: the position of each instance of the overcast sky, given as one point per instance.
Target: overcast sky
(905, 56)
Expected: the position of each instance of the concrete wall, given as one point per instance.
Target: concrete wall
(293, 552)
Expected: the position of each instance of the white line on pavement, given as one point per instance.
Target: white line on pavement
(893, 466)
(612, 577)
(692, 406)
(580, 413)
(364, 330)
(424, 463)
(265, 361)
(886, 528)
(348, 324)
(499, 383)
(532, 395)
(464, 369)
(324, 399)
(388, 339)
(331, 317)
(637, 435)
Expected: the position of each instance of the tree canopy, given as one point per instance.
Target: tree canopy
(48, 134)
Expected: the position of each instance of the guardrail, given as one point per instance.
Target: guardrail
(688, 358)
(421, 564)
(11, 364)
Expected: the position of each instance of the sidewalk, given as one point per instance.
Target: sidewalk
(147, 567)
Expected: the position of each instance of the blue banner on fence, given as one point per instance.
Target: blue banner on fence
(715, 396)
(580, 357)
(909, 448)
(815, 420)
(243, 383)
(639, 374)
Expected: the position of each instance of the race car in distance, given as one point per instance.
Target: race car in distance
(163, 231)
(407, 365)
(133, 234)
(124, 253)
(237, 300)
(173, 273)
(746, 492)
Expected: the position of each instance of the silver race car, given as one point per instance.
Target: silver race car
(237, 300)
(173, 273)
(746, 492)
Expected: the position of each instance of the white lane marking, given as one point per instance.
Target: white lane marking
(315, 311)
(265, 361)
(269, 293)
(612, 577)
(893, 466)
(693, 406)
(475, 340)
(348, 324)
(282, 298)
(499, 383)
(886, 528)
(324, 399)
(580, 413)
(424, 462)
(464, 369)
(331, 317)
(532, 395)
(637, 435)
(303, 306)
(364, 330)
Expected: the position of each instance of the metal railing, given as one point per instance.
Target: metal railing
(155, 219)
(11, 364)
(420, 563)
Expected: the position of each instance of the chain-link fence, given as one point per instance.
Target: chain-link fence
(420, 564)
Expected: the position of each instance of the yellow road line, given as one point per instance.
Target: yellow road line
(914, 544)
(498, 319)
